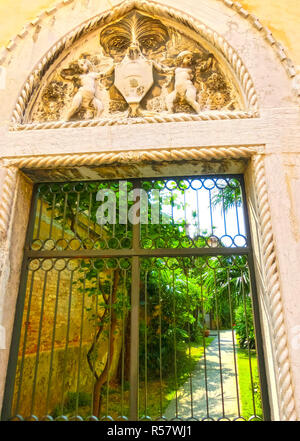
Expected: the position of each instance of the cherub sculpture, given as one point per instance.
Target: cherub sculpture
(184, 87)
(87, 94)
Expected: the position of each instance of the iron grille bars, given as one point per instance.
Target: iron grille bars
(71, 214)
(212, 386)
(116, 315)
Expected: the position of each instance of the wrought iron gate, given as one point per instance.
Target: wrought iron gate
(144, 319)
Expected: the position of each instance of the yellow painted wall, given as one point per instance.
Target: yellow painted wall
(14, 14)
(281, 16)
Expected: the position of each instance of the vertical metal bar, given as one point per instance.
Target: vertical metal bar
(134, 340)
(134, 324)
(248, 345)
(219, 342)
(172, 208)
(245, 213)
(190, 349)
(185, 216)
(77, 212)
(123, 343)
(256, 313)
(175, 340)
(160, 345)
(14, 347)
(17, 407)
(94, 343)
(146, 229)
(80, 348)
(37, 359)
(259, 343)
(233, 346)
(53, 342)
(204, 343)
(109, 343)
(52, 215)
(198, 213)
(89, 214)
(146, 346)
(160, 202)
(211, 214)
(237, 214)
(40, 219)
(64, 216)
(114, 223)
(67, 342)
(224, 212)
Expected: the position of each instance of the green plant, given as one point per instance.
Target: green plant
(226, 282)
(250, 393)
(173, 314)
(228, 197)
(73, 401)
(244, 326)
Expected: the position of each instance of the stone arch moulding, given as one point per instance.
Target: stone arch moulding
(223, 87)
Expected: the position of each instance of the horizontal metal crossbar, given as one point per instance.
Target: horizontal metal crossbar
(164, 252)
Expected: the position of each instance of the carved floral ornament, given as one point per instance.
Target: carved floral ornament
(131, 66)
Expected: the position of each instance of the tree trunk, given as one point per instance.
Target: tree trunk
(104, 376)
(126, 354)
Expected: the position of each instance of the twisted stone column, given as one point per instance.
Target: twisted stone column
(286, 393)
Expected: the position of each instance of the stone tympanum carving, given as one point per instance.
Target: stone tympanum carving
(86, 95)
(184, 89)
(137, 66)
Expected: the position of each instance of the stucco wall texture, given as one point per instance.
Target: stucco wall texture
(281, 17)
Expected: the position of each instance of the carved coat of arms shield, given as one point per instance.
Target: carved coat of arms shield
(134, 78)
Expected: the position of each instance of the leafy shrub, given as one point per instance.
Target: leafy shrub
(244, 325)
(174, 320)
(84, 399)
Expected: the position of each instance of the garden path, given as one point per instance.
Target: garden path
(219, 363)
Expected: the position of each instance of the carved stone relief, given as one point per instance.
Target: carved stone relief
(137, 66)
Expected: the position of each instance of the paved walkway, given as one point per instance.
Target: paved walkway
(210, 403)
